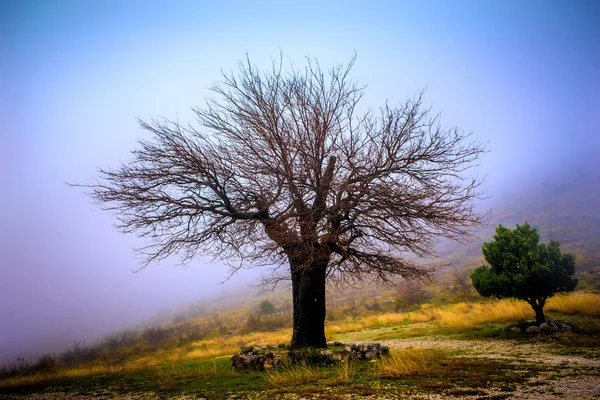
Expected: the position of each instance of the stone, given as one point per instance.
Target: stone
(329, 357)
(564, 328)
(516, 329)
(366, 351)
(533, 329)
(256, 361)
(262, 358)
(571, 324)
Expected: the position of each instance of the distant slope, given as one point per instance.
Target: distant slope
(564, 204)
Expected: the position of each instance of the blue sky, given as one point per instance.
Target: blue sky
(74, 75)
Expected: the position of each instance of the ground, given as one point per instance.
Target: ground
(567, 376)
(516, 369)
(467, 350)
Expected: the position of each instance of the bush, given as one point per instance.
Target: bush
(21, 368)
(112, 343)
(45, 363)
(266, 307)
(79, 353)
(155, 335)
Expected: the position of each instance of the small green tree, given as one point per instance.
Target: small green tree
(266, 307)
(522, 268)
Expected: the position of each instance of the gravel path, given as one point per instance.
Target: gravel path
(577, 378)
(501, 349)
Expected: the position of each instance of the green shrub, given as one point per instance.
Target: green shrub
(523, 268)
(266, 307)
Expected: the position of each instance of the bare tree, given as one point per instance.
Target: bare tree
(283, 170)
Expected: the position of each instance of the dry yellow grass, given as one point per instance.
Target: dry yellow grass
(165, 377)
(460, 316)
(346, 372)
(82, 371)
(216, 351)
(297, 374)
(25, 380)
(575, 303)
(228, 346)
(349, 326)
(424, 315)
(470, 315)
(410, 362)
(386, 319)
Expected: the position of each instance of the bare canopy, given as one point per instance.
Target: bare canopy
(283, 169)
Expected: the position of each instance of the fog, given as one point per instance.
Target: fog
(522, 76)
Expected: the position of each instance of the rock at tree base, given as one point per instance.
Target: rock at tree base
(262, 358)
(533, 329)
(548, 327)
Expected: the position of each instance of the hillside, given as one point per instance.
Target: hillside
(564, 205)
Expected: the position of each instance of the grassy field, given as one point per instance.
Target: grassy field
(462, 349)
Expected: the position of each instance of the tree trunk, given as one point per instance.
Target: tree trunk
(538, 307)
(308, 292)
